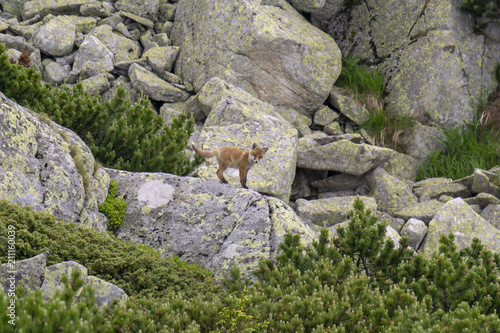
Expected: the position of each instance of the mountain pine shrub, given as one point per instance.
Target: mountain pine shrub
(482, 8)
(114, 208)
(120, 134)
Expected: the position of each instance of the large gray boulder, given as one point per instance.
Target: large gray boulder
(458, 218)
(28, 272)
(266, 48)
(148, 83)
(104, 292)
(49, 167)
(436, 67)
(236, 118)
(144, 8)
(203, 221)
(56, 37)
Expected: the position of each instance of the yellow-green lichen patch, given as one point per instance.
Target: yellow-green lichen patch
(458, 218)
(266, 50)
(429, 84)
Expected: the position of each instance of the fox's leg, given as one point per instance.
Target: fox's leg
(222, 167)
(243, 176)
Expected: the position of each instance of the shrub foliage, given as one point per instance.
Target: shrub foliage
(357, 282)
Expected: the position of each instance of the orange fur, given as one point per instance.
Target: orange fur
(230, 157)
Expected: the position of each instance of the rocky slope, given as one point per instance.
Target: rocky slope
(255, 71)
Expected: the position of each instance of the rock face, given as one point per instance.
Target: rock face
(204, 222)
(38, 168)
(34, 274)
(267, 49)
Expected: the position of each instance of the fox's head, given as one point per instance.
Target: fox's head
(257, 153)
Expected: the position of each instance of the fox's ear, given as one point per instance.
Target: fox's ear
(254, 146)
(265, 149)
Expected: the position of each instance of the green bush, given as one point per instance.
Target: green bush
(114, 208)
(481, 8)
(119, 134)
(137, 270)
(467, 149)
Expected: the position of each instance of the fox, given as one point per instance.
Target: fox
(231, 157)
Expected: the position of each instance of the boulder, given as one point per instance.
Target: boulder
(390, 193)
(428, 68)
(53, 72)
(124, 49)
(143, 8)
(421, 141)
(203, 221)
(268, 50)
(161, 59)
(458, 218)
(16, 42)
(104, 292)
(324, 116)
(307, 6)
(93, 57)
(492, 214)
(236, 118)
(56, 37)
(150, 84)
(14, 7)
(54, 274)
(343, 156)
(437, 190)
(28, 272)
(330, 211)
(415, 230)
(481, 182)
(349, 107)
(436, 67)
(96, 85)
(38, 168)
(340, 182)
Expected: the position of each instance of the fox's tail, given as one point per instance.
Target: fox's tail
(204, 153)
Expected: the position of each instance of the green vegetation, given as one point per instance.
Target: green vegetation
(366, 85)
(481, 8)
(135, 269)
(358, 282)
(119, 134)
(114, 208)
(474, 147)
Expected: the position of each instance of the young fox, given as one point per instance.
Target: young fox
(230, 157)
